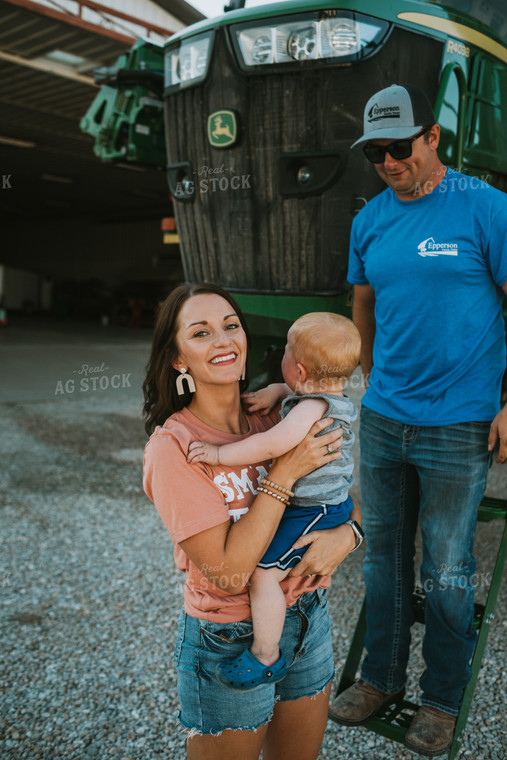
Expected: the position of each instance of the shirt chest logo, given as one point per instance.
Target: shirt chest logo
(235, 486)
(429, 247)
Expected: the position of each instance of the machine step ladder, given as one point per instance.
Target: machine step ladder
(394, 719)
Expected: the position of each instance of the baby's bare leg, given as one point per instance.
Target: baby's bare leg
(267, 601)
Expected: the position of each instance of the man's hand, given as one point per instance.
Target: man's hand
(498, 431)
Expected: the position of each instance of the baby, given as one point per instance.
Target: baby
(321, 353)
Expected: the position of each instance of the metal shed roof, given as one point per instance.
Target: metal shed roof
(47, 165)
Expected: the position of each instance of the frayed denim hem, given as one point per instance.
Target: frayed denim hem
(312, 694)
(191, 732)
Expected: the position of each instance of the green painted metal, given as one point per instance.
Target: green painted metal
(269, 317)
(493, 509)
(289, 308)
(393, 721)
(390, 11)
(126, 120)
(450, 70)
(487, 617)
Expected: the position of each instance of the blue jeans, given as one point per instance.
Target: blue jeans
(208, 707)
(437, 476)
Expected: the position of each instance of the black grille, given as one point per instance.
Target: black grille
(246, 234)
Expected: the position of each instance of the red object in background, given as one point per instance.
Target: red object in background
(168, 224)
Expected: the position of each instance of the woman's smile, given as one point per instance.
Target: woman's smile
(224, 359)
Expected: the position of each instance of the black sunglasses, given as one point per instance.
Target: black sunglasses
(398, 149)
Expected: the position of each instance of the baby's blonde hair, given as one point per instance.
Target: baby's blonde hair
(326, 344)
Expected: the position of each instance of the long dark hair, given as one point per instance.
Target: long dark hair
(159, 387)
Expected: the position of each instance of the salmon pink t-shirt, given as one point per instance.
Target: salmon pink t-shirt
(191, 498)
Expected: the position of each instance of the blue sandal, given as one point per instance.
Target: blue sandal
(246, 672)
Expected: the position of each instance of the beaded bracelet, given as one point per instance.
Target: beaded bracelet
(273, 494)
(266, 482)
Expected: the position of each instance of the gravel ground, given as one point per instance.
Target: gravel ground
(90, 595)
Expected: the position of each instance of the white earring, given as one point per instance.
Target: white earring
(243, 374)
(180, 390)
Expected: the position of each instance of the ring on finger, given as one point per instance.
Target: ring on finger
(330, 448)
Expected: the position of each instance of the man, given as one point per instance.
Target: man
(428, 261)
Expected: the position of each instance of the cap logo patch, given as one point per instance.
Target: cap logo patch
(389, 112)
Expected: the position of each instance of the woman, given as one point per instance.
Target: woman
(192, 392)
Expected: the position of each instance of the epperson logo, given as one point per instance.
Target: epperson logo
(389, 112)
(428, 247)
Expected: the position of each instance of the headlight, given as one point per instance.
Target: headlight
(261, 50)
(343, 35)
(186, 63)
(334, 36)
(302, 44)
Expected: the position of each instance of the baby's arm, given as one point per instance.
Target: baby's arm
(265, 399)
(273, 443)
(198, 451)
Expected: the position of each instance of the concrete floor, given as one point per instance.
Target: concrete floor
(44, 359)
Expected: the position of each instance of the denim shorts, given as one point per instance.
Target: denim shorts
(208, 707)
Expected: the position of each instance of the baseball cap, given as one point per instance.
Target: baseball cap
(396, 112)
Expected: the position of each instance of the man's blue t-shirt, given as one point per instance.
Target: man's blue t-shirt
(437, 265)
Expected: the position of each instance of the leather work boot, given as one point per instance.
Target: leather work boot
(360, 702)
(430, 732)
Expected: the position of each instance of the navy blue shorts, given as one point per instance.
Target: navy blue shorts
(298, 521)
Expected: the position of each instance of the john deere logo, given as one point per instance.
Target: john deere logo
(222, 129)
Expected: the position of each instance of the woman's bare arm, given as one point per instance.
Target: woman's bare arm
(238, 546)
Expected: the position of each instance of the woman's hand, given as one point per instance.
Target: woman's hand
(313, 452)
(328, 548)
(265, 399)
